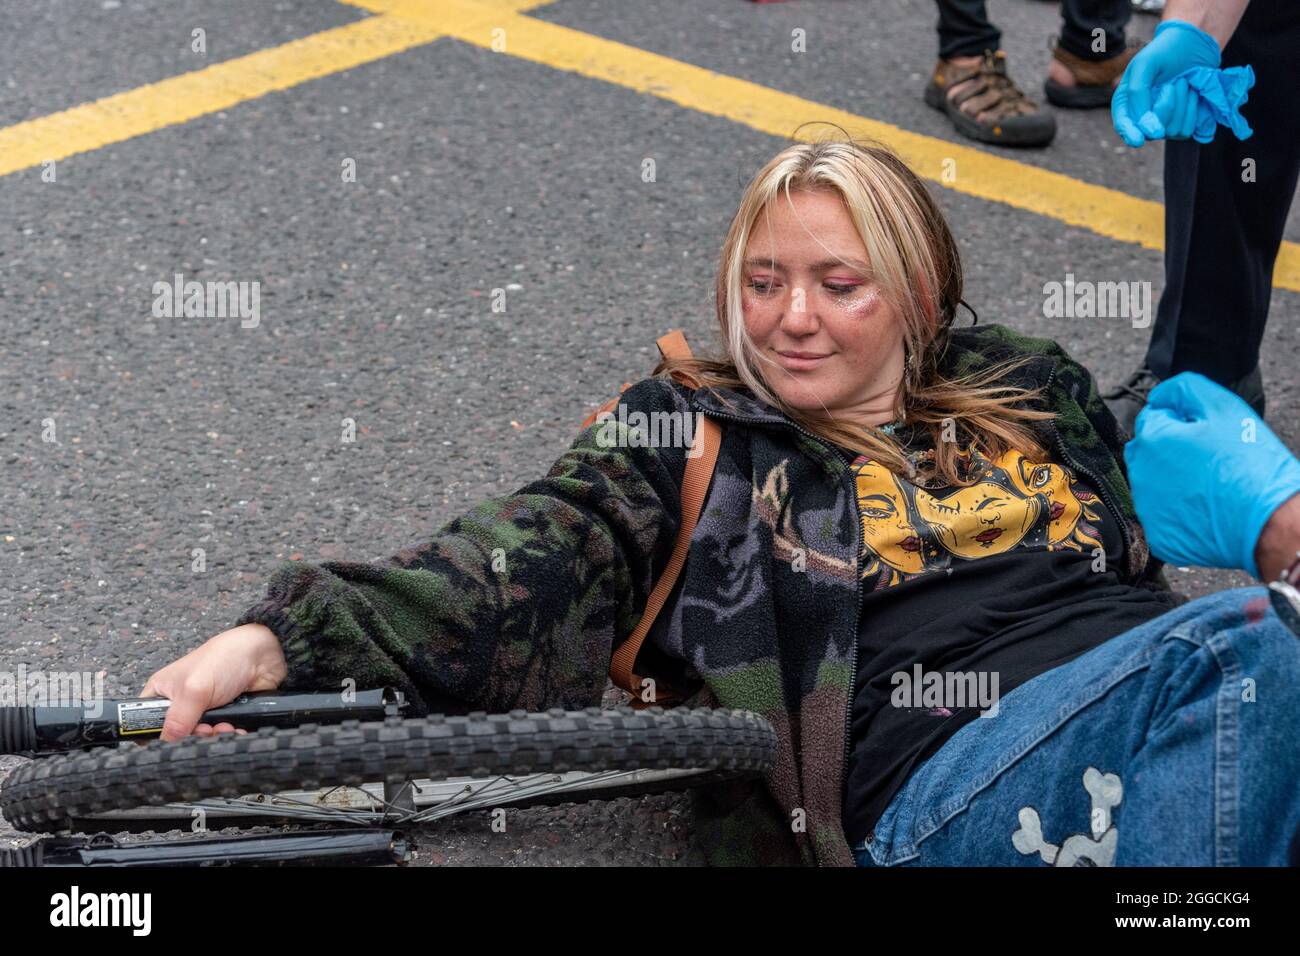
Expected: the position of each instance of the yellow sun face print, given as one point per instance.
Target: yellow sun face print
(908, 530)
(886, 528)
(983, 519)
(1050, 481)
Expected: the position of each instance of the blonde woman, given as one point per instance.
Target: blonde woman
(837, 290)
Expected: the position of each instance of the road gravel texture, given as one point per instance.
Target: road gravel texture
(475, 171)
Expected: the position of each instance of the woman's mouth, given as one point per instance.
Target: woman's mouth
(911, 543)
(801, 361)
(1058, 509)
(989, 536)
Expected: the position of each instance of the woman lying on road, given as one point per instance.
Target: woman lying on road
(893, 499)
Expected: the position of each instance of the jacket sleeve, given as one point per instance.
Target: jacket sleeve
(518, 603)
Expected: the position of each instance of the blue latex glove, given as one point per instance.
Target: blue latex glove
(1203, 490)
(1176, 48)
(1176, 108)
(1218, 96)
(1196, 102)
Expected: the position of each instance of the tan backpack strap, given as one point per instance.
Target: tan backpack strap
(695, 487)
(673, 345)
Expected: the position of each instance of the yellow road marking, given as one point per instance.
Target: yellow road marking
(402, 24)
(1107, 212)
(180, 99)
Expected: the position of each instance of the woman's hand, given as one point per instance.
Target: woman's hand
(241, 659)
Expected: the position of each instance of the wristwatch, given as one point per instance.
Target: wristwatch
(1285, 595)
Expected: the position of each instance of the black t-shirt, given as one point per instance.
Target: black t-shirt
(966, 594)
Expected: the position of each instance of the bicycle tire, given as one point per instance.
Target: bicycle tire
(48, 794)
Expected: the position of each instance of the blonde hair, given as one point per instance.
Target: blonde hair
(914, 260)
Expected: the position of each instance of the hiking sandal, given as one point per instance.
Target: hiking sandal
(987, 105)
(1094, 80)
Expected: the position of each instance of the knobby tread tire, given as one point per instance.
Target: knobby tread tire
(47, 794)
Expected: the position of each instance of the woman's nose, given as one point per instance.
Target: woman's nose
(799, 315)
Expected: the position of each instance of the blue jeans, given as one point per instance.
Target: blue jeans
(1176, 743)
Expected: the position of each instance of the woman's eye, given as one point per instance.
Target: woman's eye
(840, 289)
(876, 513)
(761, 286)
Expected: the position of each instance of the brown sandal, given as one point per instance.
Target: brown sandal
(991, 108)
(1094, 80)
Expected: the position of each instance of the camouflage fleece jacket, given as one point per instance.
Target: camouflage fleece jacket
(747, 625)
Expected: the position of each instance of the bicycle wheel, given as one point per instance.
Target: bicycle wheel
(526, 758)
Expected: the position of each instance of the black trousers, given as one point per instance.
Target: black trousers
(1222, 232)
(965, 30)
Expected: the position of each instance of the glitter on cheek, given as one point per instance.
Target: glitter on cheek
(864, 303)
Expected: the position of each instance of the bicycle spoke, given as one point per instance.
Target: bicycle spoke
(538, 785)
(474, 794)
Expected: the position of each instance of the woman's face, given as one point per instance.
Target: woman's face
(828, 338)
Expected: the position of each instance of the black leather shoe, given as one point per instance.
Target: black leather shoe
(1126, 400)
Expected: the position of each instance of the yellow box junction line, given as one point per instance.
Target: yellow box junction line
(500, 25)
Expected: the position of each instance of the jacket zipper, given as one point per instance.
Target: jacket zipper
(857, 587)
(853, 650)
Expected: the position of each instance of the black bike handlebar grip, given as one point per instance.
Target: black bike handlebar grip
(17, 730)
(34, 731)
(273, 708)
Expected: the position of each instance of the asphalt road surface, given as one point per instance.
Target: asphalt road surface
(476, 170)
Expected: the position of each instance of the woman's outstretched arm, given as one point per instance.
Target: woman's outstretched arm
(517, 603)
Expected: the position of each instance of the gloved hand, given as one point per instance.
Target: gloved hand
(1196, 102)
(1176, 47)
(1203, 489)
(1176, 109)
